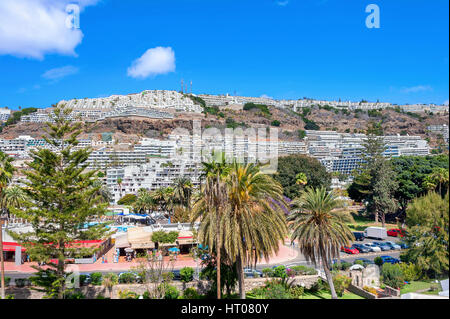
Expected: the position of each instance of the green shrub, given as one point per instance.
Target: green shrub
(297, 292)
(341, 283)
(7, 281)
(304, 270)
(190, 293)
(76, 295)
(146, 295)
(96, 278)
(127, 294)
(171, 292)
(392, 275)
(359, 262)
(187, 274)
(378, 261)
(410, 271)
(267, 272)
(127, 278)
(345, 265)
(275, 123)
(280, 272)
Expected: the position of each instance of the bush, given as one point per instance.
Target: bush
(267, 272)
(187, 274)
(275, 123)
(127, 278)
(341, 283)
(304, 270)
(378, 261)
(96, 278)
(76, 295)
(410, 271)
(297, 292)
(392, 275)
(83, 280)
(146, 295)
(290, 272)
(127, 294)
(280, 272)
(7, 281)
(190, 293)
(345, 265)
(359, 262)
(22, 282)
(171, 292)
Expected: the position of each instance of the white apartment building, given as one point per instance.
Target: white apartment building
(5, 114)
(341, 152)
(156, 173)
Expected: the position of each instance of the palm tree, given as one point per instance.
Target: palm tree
(320, 228)
(183, 191)
(6, 173)
(209, 207)
(438, 177)
(144, 201)
(109, 281)
(119, 182)
(13, 196)
(253, 223)
(102, 191)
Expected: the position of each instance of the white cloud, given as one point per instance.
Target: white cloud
(34, 28)
(59, 73)
(283, 3)
(446, 102)
(417, 88)
(154, 61)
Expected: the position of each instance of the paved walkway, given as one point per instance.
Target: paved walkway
(285, 254)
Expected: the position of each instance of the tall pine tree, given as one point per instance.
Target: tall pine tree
(63, 197)
(375, 181)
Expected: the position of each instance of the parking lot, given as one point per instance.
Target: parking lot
(372, 255)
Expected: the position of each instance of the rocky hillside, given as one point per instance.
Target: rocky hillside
(290, 124)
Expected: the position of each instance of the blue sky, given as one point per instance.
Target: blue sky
(283, 49)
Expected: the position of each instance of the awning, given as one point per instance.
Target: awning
(140, 239)
(12, 248)
(185, 237)
(122, 241)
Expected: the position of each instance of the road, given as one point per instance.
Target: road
(299, 260)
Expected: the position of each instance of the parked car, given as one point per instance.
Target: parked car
(349, 250)
(395, 232)
(366, 261)
(373, 248)
(361, 248)
(252, 273)
(382, 246)
(403, 245)
(176, 274)
(389, 259)
(359, 236)
(393, 245)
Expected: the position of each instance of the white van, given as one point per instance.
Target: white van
(375, 232)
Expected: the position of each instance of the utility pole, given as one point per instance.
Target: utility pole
(2, 260)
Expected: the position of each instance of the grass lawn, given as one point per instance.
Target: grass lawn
(414, 286)
(361, 223)
(327, 295)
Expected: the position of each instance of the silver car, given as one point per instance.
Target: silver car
(373, 248)
(393, 245)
